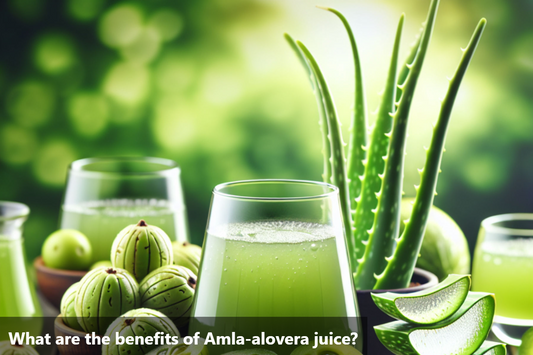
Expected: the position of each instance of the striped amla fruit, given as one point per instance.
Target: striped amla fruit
(104, 294)
(182, 349)
(187, 254)
(170, 290)
(141, 249)
(141, 324)
(67, 307)
(7, 349)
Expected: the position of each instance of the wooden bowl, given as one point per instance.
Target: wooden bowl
(54, 282)
(61, 329)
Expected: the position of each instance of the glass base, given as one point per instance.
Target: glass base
(510, 330)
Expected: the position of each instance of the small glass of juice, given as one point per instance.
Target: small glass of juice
(104, 195)
(503, 265)
(19, 307)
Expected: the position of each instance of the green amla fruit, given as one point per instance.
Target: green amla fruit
(103, 295)
(67, 307)
(139, 323)
(187, 254)
(7, 349)
(181, 349)
(102, 263)
(141, 249)
(170, 290)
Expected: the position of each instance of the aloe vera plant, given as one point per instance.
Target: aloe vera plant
(370, 179)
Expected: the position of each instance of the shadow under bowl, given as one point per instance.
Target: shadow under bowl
(54, 282)
(61, 329)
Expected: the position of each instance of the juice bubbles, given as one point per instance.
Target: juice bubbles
(101, 221)
(274, 269)
(505, 268)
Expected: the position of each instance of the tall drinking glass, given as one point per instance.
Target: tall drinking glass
(104, 195)
(275, 248)
(503, 265)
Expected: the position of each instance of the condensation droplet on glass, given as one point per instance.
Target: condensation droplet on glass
(314, 247)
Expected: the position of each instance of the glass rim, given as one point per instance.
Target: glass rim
(77, 166)
(19, 210)
(489, 224)
(217, 190)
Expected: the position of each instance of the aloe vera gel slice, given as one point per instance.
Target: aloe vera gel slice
(461, 334)
(491, 348)
(429, 306)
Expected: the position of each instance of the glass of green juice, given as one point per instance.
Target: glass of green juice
(104, 195)
(503, 265)
(274, 248)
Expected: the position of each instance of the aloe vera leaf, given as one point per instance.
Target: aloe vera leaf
(364, 215)
(326, 148)
(491, 348)
(398, 272)
(387, 217)
(429, 306)
(404, 72)
(358, 128)
(338, 171)
(461, 334)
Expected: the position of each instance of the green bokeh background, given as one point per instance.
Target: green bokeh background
(212, 85)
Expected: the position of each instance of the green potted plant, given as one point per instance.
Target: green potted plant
(370, 178)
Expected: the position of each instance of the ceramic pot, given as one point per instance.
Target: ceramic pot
(372, 315)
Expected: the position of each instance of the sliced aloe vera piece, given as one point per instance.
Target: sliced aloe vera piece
(429, 306)
(461, 334)
(491, 348)
(325, 350)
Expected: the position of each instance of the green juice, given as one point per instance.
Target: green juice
(274, 269)
(101, 221)
(17, 295)
(505, 268)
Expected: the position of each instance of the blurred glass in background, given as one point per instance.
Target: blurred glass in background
(213, 85)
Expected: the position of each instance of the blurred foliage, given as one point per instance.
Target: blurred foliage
(211, 84)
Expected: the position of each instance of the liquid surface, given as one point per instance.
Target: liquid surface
(505, 268)
(274, 268)
(101, 221)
